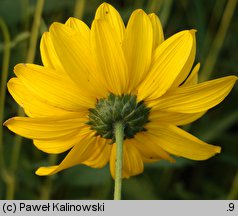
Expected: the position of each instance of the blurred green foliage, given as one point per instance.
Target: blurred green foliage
(217, 50)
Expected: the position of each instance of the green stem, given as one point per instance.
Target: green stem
(46, 188)
(119, 135)
(79, 9)
(5, 69)
(164, 14)
(29, 59)
(233, 194)
(34, 32)
(218, 41)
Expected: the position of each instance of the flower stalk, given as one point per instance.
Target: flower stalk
(119, 135)
(5, 69)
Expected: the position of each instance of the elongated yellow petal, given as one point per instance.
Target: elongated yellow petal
(101, 153)
(80, 27)
(171, 59)
(188, 64)
(132, 160)
(53, 88)
(193, 77)
(62, 144)
(147, 155)
(107, 12)
(33, 106)
(46, 127)
(73, 49)
(109, 57)
(196, 98)
(48, 55)
(174, 117)
(151, 149)
(158, 34)
(137, 47)
(78, 154)
(178, 142)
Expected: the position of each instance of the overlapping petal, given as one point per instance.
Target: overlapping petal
(46, 128)
(195, 98)
(137, 46)
(180, 143)
(175, 118)
(158, 34)
(193, 76)
(107, 12)
(33, 105)
(48, 55)
(150, 148)
(109, 57)
(62, 144)
(170, 64)
(101, 151)
(78, 154)
(73, 48)
(53, 88)
(80, 27)
(132, 160)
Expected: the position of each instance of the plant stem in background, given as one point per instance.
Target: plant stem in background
(119, 135)
(35, 32)
(233, 194)
(18, 39)
(216, 15)
(29, 59)
(154, 6)
(5, 69)
(79, 9)
(164, 15)
(46, 189)
(218, 41)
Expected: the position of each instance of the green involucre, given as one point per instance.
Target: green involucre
(123, 108)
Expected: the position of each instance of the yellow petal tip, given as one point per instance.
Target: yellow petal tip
(43, 171)
(7, 122)
(193, 31)
(218, 149)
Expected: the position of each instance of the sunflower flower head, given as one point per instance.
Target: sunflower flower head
(93, 78)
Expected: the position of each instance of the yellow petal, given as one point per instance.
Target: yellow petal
(178, 142)
(33, 106)
(109, 57)
(158, 34)
(196, 98)
(188, 65)
(80, 27)
(53, 88)
(132, 160)
(46, 127)
(170, 63)
(174, 117)
(147, 155)
(73, 50)
(107, 12)
(137, 47)
(101, 153)
(78, 154)
(193, 77)
(62, 144)
(150, 148)
(48, 54)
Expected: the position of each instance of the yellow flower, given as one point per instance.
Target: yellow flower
(92, 78)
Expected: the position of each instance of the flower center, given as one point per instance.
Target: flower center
(123, 108)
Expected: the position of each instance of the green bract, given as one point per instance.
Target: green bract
(116, 108)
